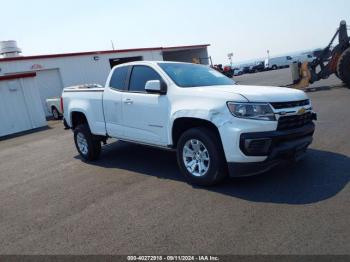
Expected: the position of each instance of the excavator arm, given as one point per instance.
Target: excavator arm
(329, 61)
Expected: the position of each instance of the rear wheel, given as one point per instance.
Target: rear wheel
(274, 67)
(88, 145)
(200, 157)
(55, 113)
(343, 67)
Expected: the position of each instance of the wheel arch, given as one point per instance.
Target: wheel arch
(78, 118)
(181, 124)
(54, 107)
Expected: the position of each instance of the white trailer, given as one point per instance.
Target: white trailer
(303, 58)
(20, 106)
(278, 62)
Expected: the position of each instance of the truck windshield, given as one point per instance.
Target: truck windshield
(192, 75)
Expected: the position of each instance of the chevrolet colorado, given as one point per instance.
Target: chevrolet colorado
(217, 128)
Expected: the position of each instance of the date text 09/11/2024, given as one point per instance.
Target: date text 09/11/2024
(173, 258)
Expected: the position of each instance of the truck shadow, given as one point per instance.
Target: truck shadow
(324, 88)
(319, 176)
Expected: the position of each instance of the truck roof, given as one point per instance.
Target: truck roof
(145, 62)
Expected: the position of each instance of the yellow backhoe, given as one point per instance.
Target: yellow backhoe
(331, 60)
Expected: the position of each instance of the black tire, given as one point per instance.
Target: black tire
(55, 113)
(217, 167)
(93, 143)
(343, 67)
(274, 67)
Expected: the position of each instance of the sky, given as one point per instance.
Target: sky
(248, 28)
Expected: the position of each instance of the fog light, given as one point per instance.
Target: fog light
(257, 147)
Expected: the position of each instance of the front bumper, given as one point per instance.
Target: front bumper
(278, 146)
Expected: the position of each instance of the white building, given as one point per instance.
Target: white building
(49, 74)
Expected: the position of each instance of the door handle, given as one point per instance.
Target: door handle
(128, 101)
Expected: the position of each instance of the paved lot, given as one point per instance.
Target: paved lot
(133, 200)
(282, 77)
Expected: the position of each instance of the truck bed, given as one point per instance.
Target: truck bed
(88, 100)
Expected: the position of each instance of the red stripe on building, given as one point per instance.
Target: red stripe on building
(101, 52)
(17, 76)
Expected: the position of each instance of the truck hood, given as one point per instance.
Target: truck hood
(257, 93)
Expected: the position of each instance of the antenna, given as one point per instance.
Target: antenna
(112, 45)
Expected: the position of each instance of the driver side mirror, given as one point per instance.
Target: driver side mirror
(156, 86)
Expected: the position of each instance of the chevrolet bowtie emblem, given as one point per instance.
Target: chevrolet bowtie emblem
(301, 111)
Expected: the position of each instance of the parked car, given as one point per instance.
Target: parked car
(258, 67)
(228, 71)
(213, 124)
(238, 72)
(54, 106)
(278, 62)
(246, 69)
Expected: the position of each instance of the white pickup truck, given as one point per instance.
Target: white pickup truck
(53, 104)
(217, 128)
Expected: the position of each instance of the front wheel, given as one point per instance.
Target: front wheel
(88, 146)
(200, 157)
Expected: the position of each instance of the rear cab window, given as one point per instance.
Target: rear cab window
(119, 77)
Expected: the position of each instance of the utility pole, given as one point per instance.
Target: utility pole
(230, 55)
(268, 54)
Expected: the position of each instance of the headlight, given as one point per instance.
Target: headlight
(257, 111)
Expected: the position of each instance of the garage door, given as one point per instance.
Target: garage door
(50, 85)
